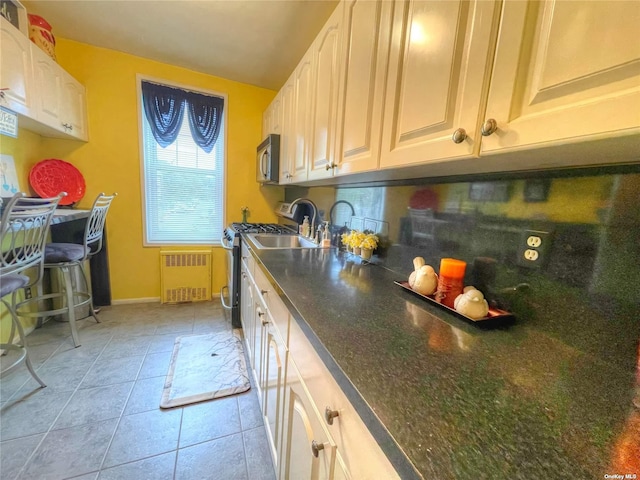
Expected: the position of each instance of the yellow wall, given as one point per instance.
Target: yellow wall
(110, 161)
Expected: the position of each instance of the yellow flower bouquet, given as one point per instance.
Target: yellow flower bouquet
(369, 242)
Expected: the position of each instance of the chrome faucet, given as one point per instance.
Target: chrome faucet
(315, 212)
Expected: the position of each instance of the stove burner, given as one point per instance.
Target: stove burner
(260, 228)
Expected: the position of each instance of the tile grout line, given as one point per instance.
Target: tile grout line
(104, 457)
(61, 410)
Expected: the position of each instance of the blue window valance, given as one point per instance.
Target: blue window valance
(164, 108)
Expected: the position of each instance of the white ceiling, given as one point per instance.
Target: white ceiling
(251, 41)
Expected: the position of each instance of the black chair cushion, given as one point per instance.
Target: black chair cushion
(63, 252)
(12, 282)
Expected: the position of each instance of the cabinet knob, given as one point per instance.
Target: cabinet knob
(263, 292)
(459, 135)
(316, 447)
(489, 127)
(330, 166)
(329, 415)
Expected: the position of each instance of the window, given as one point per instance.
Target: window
(183, 185)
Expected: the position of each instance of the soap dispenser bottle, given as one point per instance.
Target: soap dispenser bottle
(326, 236)
(305, 227)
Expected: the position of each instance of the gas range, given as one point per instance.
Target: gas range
(231, 242)
(237, 228)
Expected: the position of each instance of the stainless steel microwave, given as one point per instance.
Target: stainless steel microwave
(268, 159)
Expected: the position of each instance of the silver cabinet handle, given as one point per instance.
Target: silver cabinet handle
(489, 127)
(459, 135)
(329, 415)
(316, 447)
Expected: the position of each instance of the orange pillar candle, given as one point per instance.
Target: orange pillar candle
(450, 280)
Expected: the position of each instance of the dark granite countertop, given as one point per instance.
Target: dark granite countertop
(460, 402)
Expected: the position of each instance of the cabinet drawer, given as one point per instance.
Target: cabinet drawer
(277, 309)
(359, 451)
(247, 259)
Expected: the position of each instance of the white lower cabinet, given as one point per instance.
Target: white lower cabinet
(273, 381)
(313, 430)
(308, 452)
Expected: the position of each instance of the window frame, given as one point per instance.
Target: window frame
(143, 194)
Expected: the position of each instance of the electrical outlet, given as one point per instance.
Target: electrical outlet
(534, 241)
(533, 248)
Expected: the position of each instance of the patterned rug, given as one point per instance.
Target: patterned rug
(204, 367)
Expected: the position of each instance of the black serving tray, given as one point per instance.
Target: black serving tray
(494, 317)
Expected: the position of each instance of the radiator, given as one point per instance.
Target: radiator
(185, 276)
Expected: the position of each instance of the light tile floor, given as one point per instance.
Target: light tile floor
(99, 416)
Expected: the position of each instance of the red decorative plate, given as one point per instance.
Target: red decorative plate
(50, 177)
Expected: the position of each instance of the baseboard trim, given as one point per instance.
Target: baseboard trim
(127, 301)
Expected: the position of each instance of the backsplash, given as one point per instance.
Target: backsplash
(584, 287)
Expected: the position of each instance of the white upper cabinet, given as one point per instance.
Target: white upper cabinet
(74, 108)
(16, 77)
(564, 71)
(436, 84)
(287, 135)
(51, 102)
(276, 116)
(266, 122)
(326, 60)
(367, 27)
(60, 102)
(272, 118)
(303, 80)
(438, 72)
(48, 83)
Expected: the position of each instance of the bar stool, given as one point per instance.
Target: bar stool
(65, 257)
(23, 232)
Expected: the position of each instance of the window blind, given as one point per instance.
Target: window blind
(183, 189)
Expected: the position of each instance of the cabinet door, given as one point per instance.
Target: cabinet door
(276, 115)
(367, 27)
(48, 80)
(302, 117)
(327, 58)
(266, 122)
(273, 377)
(287, 136)
(74, 107)
(564, 71)
(303, 430)
(438, 74)
(246, 313)
(259, 340)
(15, 69)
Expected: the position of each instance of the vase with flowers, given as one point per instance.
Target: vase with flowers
(356, 240)
(368, 244)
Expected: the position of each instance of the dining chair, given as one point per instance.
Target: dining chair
(67, 256)
(24, 229)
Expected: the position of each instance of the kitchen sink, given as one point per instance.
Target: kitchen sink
(267, 241)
